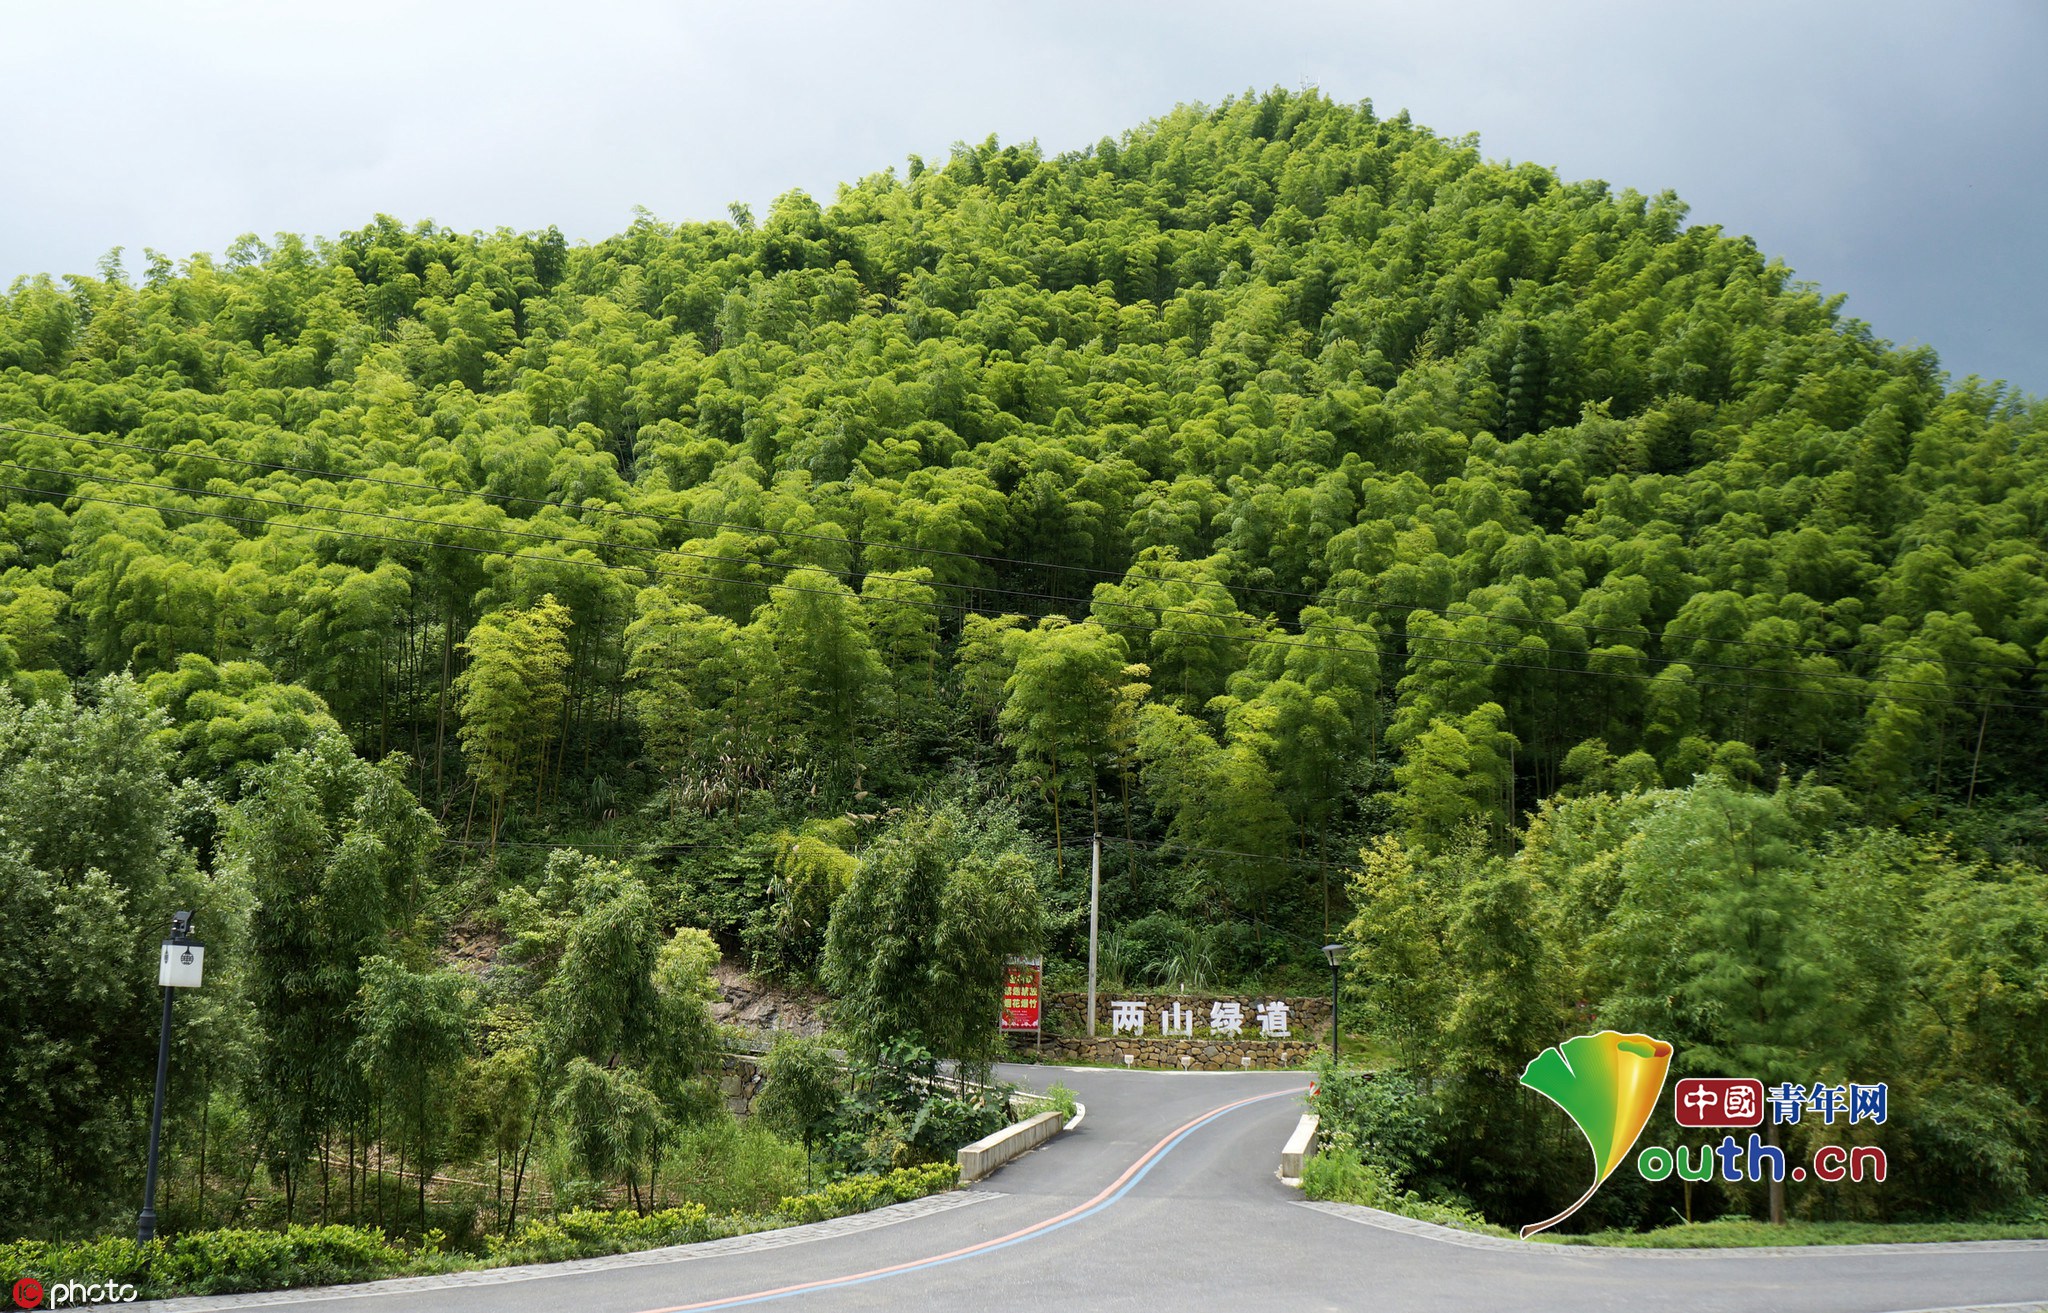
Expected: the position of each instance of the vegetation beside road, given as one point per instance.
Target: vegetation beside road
(231, 1260)
(1747, 1233)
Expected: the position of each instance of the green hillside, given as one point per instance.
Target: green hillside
(1271, 483)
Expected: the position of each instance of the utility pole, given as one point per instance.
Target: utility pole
(1094, 914)
(182, 962)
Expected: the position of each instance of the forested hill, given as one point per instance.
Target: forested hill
(1382, 487)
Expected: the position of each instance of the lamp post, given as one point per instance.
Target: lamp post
(178, 967)
(1335, 952)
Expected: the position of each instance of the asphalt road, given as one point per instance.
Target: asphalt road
(1153, 1203)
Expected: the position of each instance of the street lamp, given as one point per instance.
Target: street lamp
(178, 967)
(1335, 952)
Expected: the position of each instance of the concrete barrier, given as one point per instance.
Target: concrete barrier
(992, 1151)
(1300, 1147)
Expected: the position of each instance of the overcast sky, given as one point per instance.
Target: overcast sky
(1895, 152)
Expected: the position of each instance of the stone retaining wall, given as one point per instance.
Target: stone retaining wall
(1166, 1054)
(739, 1080)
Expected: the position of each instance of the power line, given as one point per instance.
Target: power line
(935, 607)
(1196, 850)
(648, 846)
(1377, 598)
(1305, 632)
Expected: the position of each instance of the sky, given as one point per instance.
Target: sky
(1894, 152)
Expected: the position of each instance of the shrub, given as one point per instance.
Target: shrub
(858, 1194)
(587, 1232)
(1383, 1117)
(215, 1262)
(227, 1261)
(211, 1262)
(1340, 1176)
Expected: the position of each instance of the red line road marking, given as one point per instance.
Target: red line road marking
(1106, 1196)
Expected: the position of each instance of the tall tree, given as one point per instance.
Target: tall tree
(511, 697)
(1058, 710)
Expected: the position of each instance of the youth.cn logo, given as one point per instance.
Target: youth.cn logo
(1608, 1085)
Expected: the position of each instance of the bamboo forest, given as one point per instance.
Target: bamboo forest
(498, 641)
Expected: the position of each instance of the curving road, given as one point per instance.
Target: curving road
(1166, 1197)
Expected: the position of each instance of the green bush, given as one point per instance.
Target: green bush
(227, 1261)
(1383, 1117)
(218, 1262)
(1064, 1101)
(587, 1232)
(1340, 1176)
(731, 1165)
(108, 1258)
(857, 1194)
(212, 1262)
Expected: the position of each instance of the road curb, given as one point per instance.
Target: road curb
(1300, 1147)
(990, 1152)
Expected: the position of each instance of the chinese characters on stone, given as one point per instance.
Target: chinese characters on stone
(1226, 1018)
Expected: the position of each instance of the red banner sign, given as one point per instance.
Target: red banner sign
(1021, 996)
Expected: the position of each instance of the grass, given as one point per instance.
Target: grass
(1368, 1051)
(1345, 1180)
(732, 1166)
(1745, 1233)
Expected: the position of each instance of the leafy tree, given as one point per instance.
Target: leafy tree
(917, 946)
(230, 721)
(802, 1091)
(1750, 990)
(905, 628)
(92, 870)
(683, 673)
(1059, 703)
(414, 1030)
(330, 848)
(618, 1016)
(812, 872)
(511, 699)
(1455, 770)
(812, 665)
(1222, 804)
(1401, 959)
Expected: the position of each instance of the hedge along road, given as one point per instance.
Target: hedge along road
(1166, 1196)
